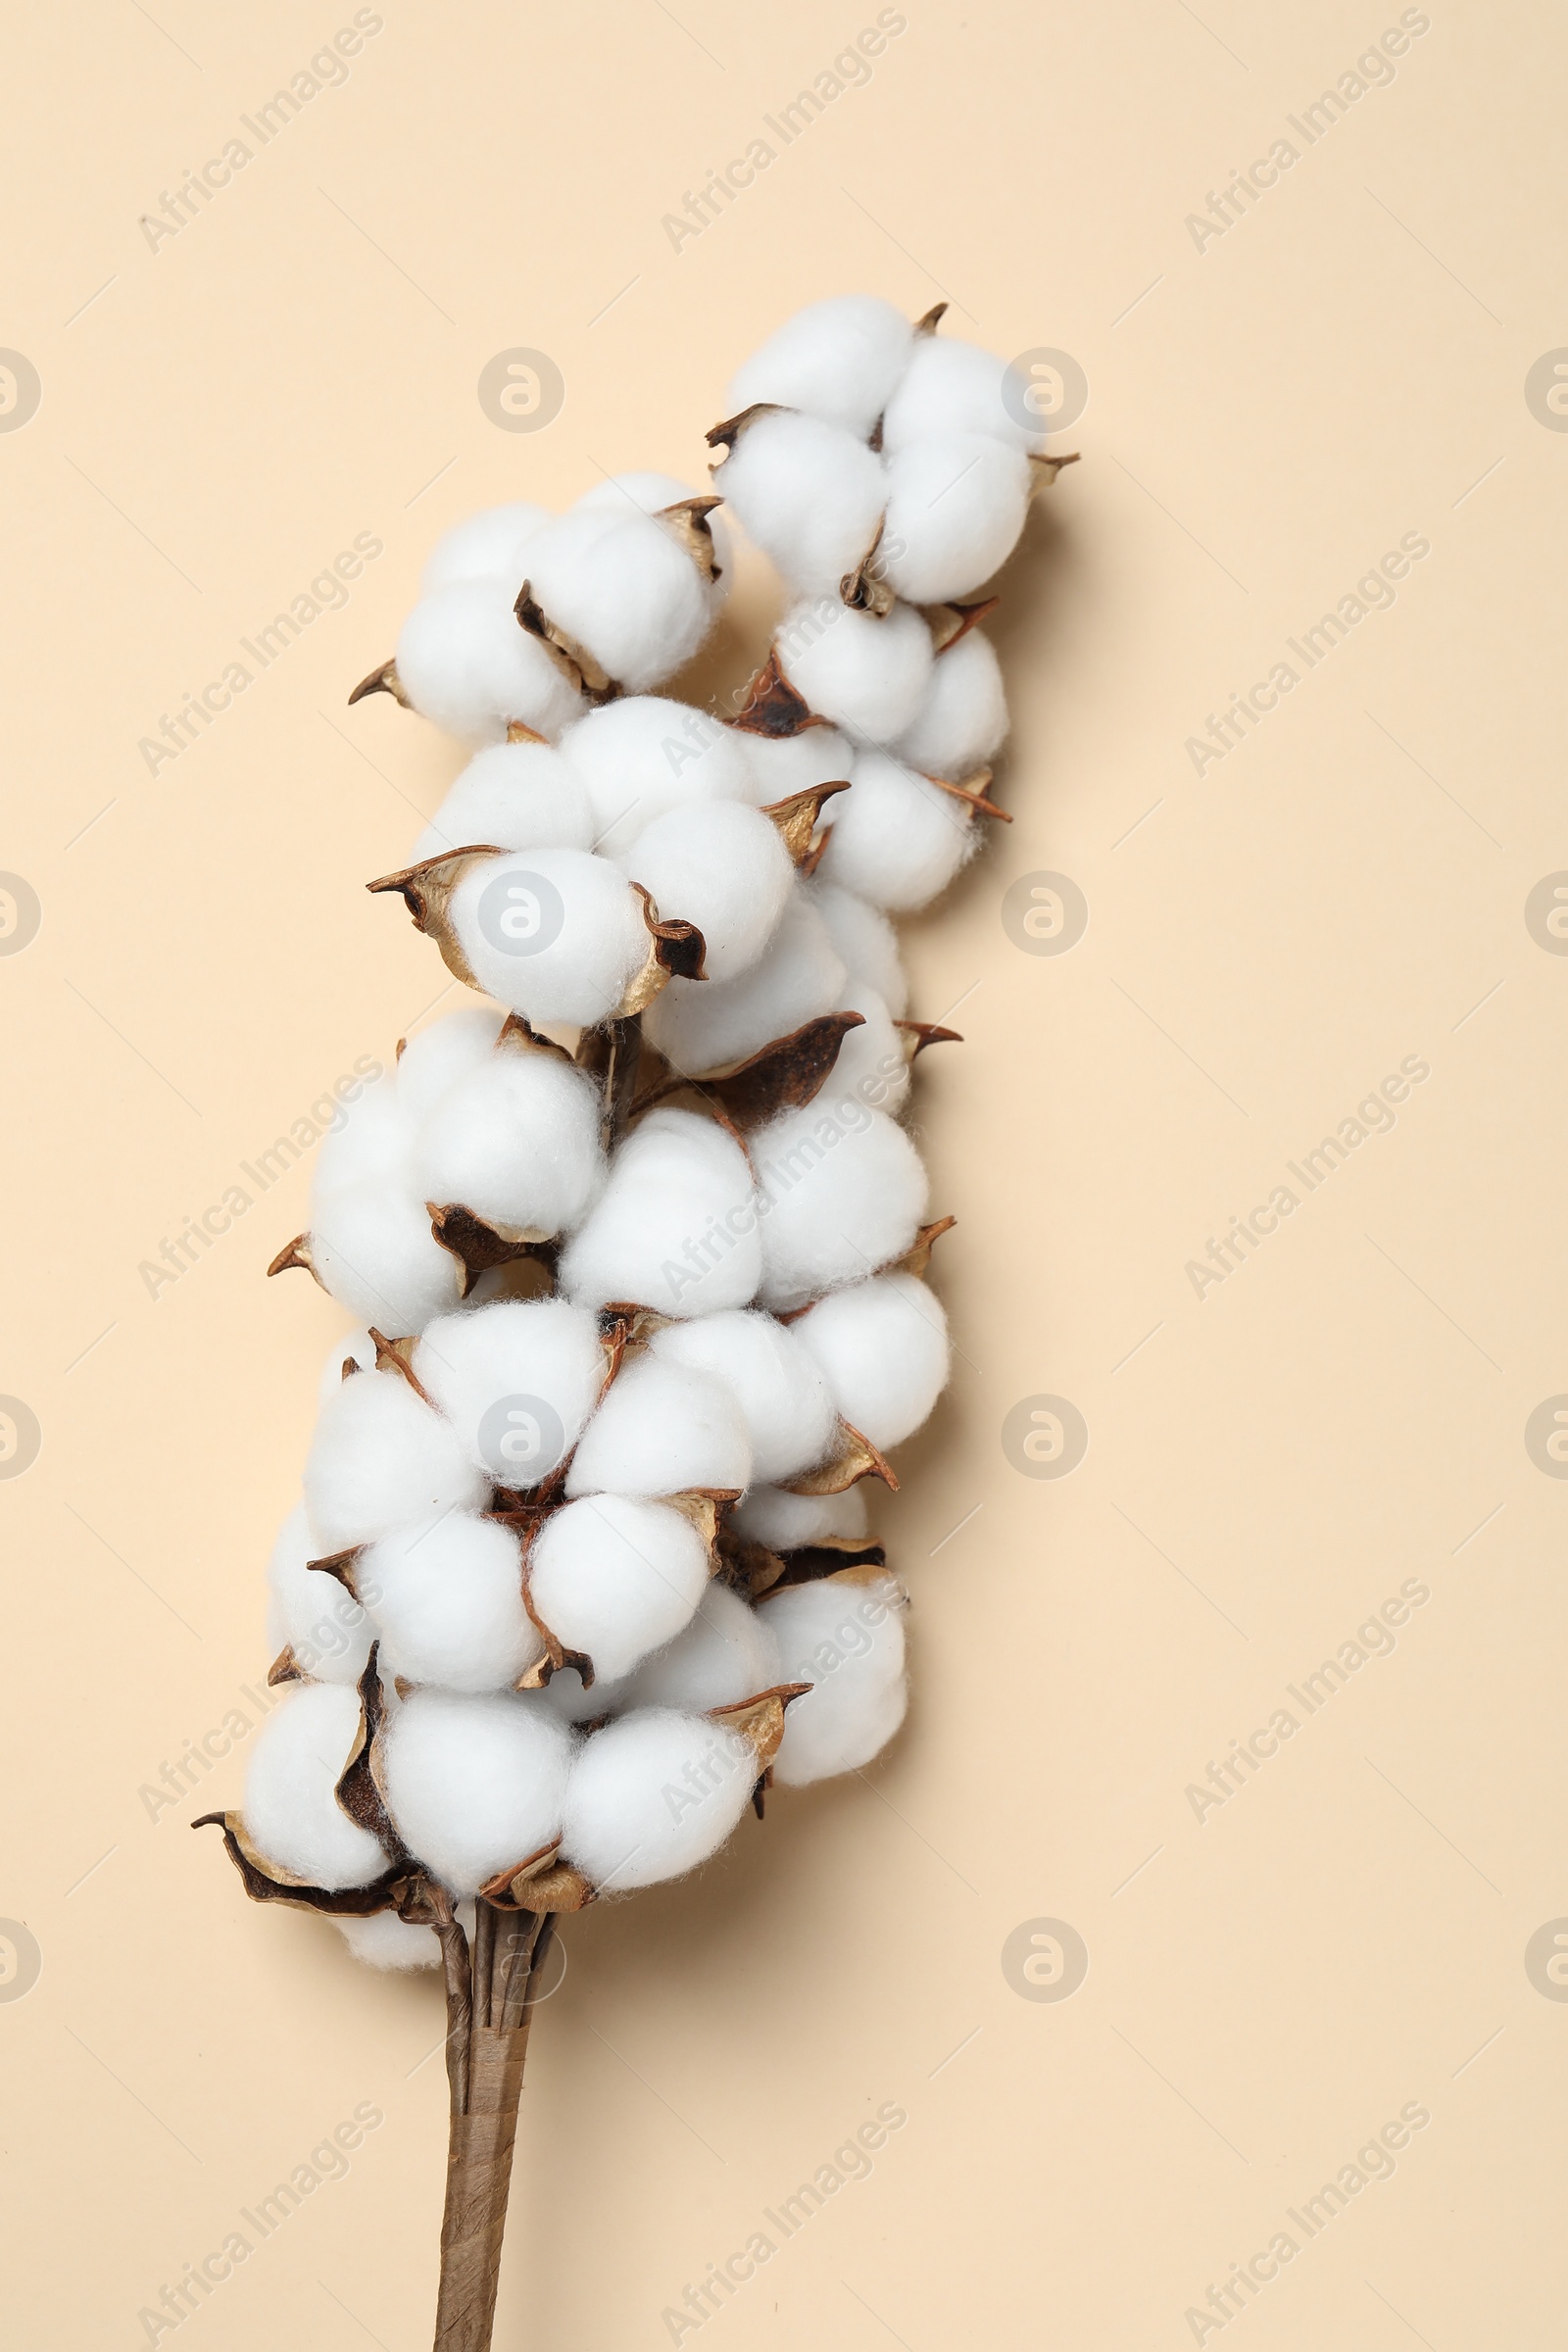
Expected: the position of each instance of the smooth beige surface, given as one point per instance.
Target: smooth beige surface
(1272, 1979)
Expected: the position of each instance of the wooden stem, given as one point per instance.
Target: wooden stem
(490, 1999)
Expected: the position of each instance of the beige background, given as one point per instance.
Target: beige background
(1267, 1985)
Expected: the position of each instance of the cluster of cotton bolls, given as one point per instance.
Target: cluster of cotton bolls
(583, 1560)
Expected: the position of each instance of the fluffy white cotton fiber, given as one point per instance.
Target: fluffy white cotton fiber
(865, 941)
(703, 1025)
(952, 387)
(663, 1430)
(383, 1941)
(785, 1522)
(809, 494)
(882, 1347)
(900, 838)
(778, 1385)
(322, 1624)
(380, 1458)
(475, 1785)
(872, 1066)
(652, 1796)
(511, 796)
(369, 1137)
(864, 674)
(617, 1577)
(554, 934)
(464, 661)
(290, 1811)
(846, 1637)
(674, 1227)
(356, 1347)
(725, 867)
(447, 1599)
(839, 360)
(372, 1249)
(626, 589)
(956, 507)
(438, 1056)
(844, 1193)
(516, 1382)
(651, 494)
(725, 1654)
(964, 717)
(487, 547)
(778, 766)
(639, 756)
(515, 1140)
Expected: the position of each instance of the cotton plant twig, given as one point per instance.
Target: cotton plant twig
(583, 1566)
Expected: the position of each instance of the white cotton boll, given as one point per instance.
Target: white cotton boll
(837, 359)
(380, 1458)
(952, 387)
(843, 1193)
(701, 1025)
(674, 1226)
(652, 1796)
(847, 1640)
(863, 674)
(447, 1599)
(725, 1654)
(778, 766)
(369, 1139)
(643, 754)
(809, 494)
(383, 1941)
(291, 1814)
(624, 589)
(511, 796)
(786, 1522)
(726, 868)
(617, 1577)
(956, 507)
(475, 1785)
(516, 1380)
(900, 838)
(882, 1346)
(372, 1248)
(517, 1140)
(487, 547)
(554, 934)
(650, 493)
(322, 1624)
(661, 1430)
(865, 941)
(790, 1416)
(465, 661)
(963, 717)
(355, 1346)
(872, 1066)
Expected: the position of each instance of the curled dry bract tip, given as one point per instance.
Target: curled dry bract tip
(972, 792)
(948, 623)
(385, 680)
(267, 1882)
(853, 1457)
(785, 1075)
(1046, 469)
(796, 820)
(687, 523)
